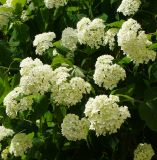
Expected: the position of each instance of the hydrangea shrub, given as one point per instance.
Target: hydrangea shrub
(78, 79)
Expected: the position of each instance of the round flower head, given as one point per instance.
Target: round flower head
(38, 80)
(106, 73)
(134, 42)
(105, 115)
(20, 144)
(55, 3)
(129, 7)
(27, 64)
(91, 33)
(73, 128)
(69, 38)
(143, 152)
(66, 91)
(43, 41)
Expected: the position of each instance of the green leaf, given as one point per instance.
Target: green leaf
(59, 59)
(148, 112)
(116, 24)
(15, 2)
(152, 72)
(150, 94)
(113, 1)
(5, 16)
(128, 90)
(4, 84)
(153, 46)
(104, 17)
(124, 60)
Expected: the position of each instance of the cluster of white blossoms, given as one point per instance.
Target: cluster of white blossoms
(36, 76)
(43, 41)
(27, 64)
(110, 37)
(143, 151)
(5, 132)
(15, 102)
(38, 80)
(55, 3)
(129, 7)
(69, 38)
(106, 73)
(66, 91)
(20, 144)
(90, 32)
(105, 115)
(73, 128)
(134, 42)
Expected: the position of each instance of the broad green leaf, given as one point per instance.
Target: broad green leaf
(5, 16)
(150, 94)
(59, 59)
(148, 112)
(116, 24)
(104, 17)
(128, 90)
(15, 2)
(152, 72)
(153, 46)
(124, 60)
(5, 87)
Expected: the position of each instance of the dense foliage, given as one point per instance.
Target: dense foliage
(78, 79)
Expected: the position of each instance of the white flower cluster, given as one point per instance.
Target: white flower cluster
(5, 132)
(143, 151)
(27, 64)
(73, 128)
(68, 91)
(105, 115)
(35, 78)
(91, 32)
(8, 3)
(110, 37)
(4, 153)
(129, 7)
(134, 42)
(43, 41)
(55, 3)
(106, 73)
(69, 38)
(15, 102)
(20, 144)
